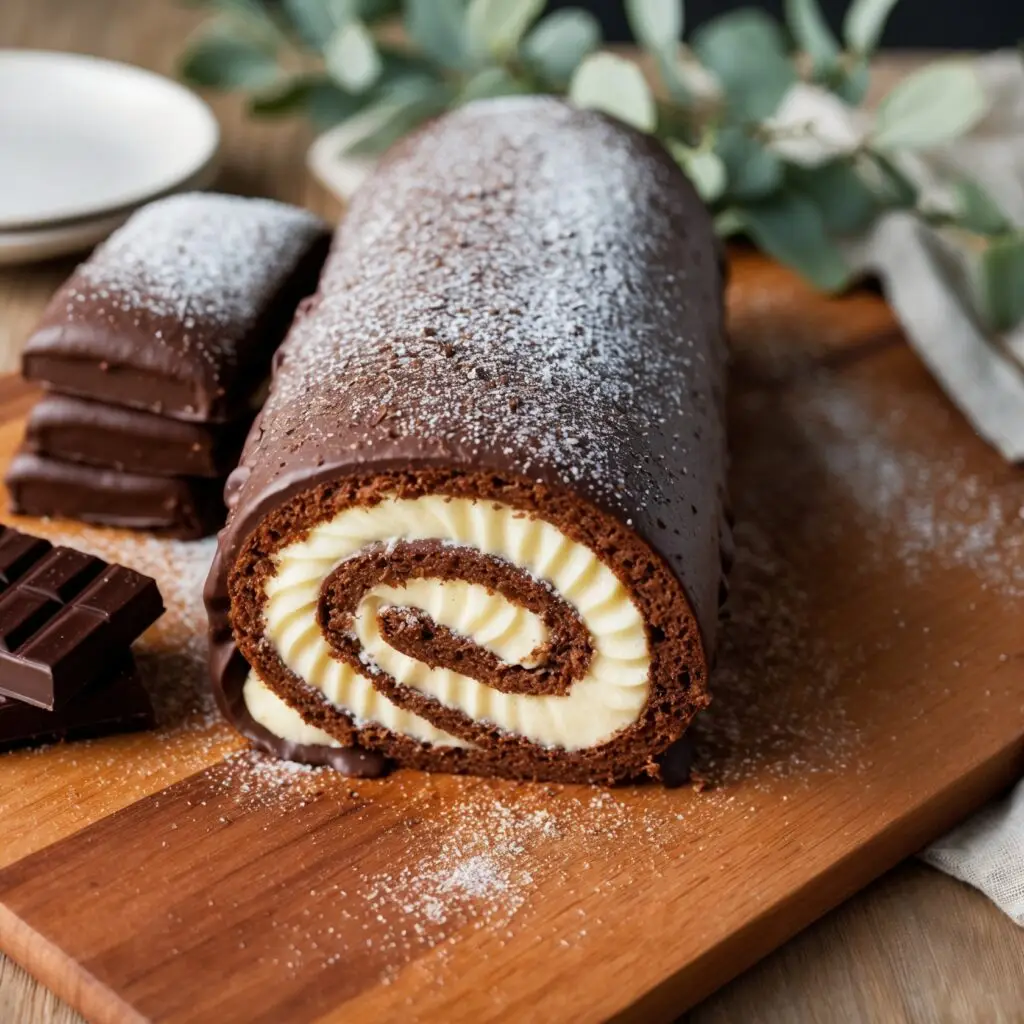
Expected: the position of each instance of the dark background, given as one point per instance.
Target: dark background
(966, 24)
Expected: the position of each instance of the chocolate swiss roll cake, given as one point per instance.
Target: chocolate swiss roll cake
(478, 526)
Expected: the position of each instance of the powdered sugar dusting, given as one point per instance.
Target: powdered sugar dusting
(202, 262)
(530, 287)
(935, 508)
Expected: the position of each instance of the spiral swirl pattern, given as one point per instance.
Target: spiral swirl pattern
(608, 694)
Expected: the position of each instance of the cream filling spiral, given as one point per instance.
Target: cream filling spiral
(609, 697)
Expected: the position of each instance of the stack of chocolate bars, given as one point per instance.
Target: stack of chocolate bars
(155, 355)
(67, 623)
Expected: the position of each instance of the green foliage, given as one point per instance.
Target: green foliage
(932, 106)
(977, 211)
(351, 57)
(615, 86)
(557, 45)
(747, 52)
(222, 60)
(727, 106)
(436, 27)
(495, 27)
(999, 272)
(811, 33)
(656, 24)
(863, 24)
(751, 170)
(790, 227)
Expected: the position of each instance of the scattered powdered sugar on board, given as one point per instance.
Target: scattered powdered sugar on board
(446, 855)
(935, 508)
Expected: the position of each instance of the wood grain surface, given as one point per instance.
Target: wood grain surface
(914, 946)
(868, 695)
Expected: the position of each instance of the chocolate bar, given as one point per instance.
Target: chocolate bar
(113, 704)
(180, 311)
(62, 612)
(481, 527)
(111, 436)
(183, 507)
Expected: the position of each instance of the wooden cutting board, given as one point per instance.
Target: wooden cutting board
(870, 692)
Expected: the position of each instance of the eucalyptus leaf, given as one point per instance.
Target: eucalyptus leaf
(752, 171)
(222, 61)
(249, 18)
(811, 32)
(351, 57)
(403, 65)
(789, 227)
(557, 44)
(314, 20)
(290, 96)
(327, 105)
(864, 23)
(491, 82)
(494, 28)
(934, 105)
(615, 86)
(746, 50)
(999, 272)
(436, 27)
(890, 182)
(977, 211)
(847, 205)
(323, 102)
(703, 167)
(374, 10)
(670, 70)
(656, 24)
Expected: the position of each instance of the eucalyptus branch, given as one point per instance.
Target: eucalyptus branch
(761, 115)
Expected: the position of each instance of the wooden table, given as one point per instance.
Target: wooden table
(915, 946)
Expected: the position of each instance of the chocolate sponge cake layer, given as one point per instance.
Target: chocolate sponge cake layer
(479, 524)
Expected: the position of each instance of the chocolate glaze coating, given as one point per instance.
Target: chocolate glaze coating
(181, 309)
(522, 289)
(187, 507)
(129, 440)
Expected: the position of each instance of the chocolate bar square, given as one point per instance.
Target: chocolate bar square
(62, 613)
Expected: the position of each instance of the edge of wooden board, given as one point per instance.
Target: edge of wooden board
(902, 838)
(676, 993)
(61, 974)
